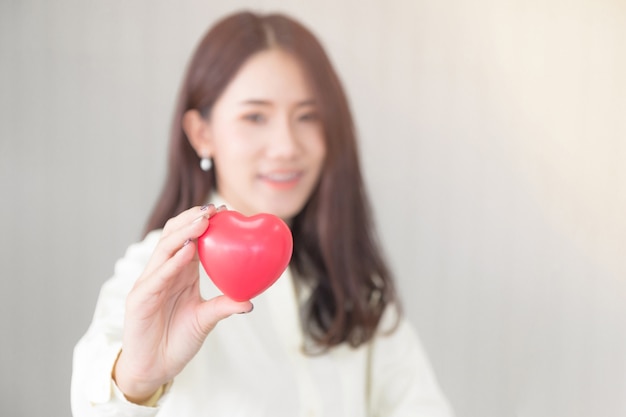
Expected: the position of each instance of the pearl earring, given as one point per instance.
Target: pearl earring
(206, 164)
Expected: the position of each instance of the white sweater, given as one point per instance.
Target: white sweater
(252, 365)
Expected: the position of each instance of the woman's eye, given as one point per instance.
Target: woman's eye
(255, 117)
(306, 117)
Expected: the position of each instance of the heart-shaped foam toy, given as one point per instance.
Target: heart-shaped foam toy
(242, 255)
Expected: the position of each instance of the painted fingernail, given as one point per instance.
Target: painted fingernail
(222, 207)
(186, 242)
(205, 207)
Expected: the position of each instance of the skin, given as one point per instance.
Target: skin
(265, 139)
(268, 151)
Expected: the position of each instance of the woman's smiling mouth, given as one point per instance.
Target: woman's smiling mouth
(282, 179)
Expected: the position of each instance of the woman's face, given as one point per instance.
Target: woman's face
(266, 140)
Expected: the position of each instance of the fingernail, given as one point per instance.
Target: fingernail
(249, 311)
(186, 242)
(221, 208)
(205, 207)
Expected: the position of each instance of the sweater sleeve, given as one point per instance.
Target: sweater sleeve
(93, 392)
(402, 380)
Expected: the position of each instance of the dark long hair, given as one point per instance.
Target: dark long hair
(335, 247)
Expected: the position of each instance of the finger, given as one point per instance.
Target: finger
(212, 311)
(169, 245)
(186, 217)
(161, 278)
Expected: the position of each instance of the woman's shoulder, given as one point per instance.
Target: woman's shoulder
(396, 331)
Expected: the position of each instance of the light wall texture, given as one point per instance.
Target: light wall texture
(493, 138)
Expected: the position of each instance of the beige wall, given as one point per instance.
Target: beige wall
(494, 143)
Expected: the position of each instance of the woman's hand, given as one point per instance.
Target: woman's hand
(166, 319)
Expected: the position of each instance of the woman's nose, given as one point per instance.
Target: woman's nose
(283, 141)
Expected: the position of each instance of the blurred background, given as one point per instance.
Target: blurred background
(493, 137)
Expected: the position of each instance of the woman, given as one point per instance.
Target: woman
(262, 125)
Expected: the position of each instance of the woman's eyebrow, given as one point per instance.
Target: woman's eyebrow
(307, 102)
(262, 102)
(256, 102)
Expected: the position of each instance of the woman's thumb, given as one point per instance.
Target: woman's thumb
(216, 309)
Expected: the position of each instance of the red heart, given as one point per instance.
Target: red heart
(242, 255)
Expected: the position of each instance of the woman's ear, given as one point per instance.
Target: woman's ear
(198, 132)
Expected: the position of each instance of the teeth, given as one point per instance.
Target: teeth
(282, 176)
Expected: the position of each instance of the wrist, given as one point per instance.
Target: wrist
(141, 393)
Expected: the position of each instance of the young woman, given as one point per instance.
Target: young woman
(262, 125)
